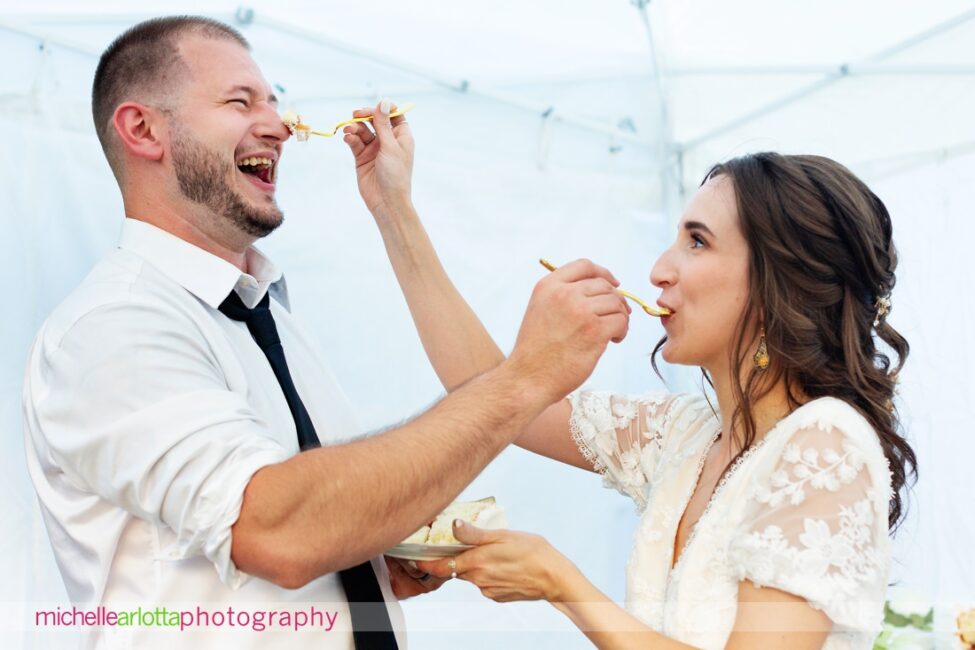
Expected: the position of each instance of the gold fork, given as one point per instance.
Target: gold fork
(650, 309)
(301, 130)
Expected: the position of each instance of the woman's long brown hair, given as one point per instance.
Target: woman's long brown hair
(821, 256)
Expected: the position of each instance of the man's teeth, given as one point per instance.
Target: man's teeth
(254, 162)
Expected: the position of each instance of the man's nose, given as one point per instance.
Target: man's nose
(270, 125)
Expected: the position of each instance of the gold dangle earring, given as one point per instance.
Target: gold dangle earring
(761, 355)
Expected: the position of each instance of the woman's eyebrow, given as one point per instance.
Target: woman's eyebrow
(697, 225)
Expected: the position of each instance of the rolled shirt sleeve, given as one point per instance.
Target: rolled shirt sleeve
(133, 407)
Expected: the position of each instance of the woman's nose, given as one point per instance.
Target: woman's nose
(663, 273)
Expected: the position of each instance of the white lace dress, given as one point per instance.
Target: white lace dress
(805, 511)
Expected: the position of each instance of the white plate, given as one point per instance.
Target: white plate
(426, 551)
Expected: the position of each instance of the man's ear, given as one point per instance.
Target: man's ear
(140, 128)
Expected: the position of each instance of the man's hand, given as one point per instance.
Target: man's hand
(574, 312)
(408, 581)
(383, 159)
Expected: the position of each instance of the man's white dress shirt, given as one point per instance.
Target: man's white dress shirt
(147, 411)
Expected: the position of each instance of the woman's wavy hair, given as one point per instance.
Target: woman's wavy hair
(821, 260)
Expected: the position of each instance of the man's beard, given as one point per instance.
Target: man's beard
(203, 177)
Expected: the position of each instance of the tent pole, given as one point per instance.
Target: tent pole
(859, 70)
(894, 165)
(44, 40)
(671, 181)
(837, 74)
(641, 6)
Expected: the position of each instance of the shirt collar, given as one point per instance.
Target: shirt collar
(206, 276)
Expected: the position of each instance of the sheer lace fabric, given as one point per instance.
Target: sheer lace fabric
(805, 512)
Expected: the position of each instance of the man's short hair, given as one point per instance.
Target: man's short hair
(144, 64)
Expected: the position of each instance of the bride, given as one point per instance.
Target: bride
(764, 516)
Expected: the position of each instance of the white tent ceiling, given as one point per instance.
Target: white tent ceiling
(734, 75)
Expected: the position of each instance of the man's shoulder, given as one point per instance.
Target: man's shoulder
(121, 284)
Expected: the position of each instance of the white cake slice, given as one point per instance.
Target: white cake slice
(484, 514)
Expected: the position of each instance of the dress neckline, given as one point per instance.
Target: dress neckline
(729, 473)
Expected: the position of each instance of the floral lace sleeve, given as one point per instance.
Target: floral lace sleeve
(816, 524)
(625, 437)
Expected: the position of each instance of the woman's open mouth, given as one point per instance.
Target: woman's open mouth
(665, 318)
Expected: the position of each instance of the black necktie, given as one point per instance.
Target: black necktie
(371, 627)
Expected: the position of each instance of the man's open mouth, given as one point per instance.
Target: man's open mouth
(259, 167)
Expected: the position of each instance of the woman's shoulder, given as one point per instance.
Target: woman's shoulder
(829, 423)
(828, 415)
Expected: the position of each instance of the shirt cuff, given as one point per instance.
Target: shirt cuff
(219, 512)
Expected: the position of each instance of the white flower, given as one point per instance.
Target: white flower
(853, 455)
(801, 471)
(630, 459)
(817, 481)
(839, 550)
(816, 535)
(760, 567)
(755, 557)
(791, 454)
(855, 522)
(625, 410)
(830, 456)
(813, 562)
(846, 473)
(798, 496)
(830, 482)
(780, 478)
(586, 429)
(771, 535)
(811, 456)
(823, 548)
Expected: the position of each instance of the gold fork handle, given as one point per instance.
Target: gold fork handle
(650, 309)
(399, 111)
(325, 134)
(635, 299)
(653, 311)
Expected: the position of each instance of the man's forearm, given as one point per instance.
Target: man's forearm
(455, 340)
(334, 507)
